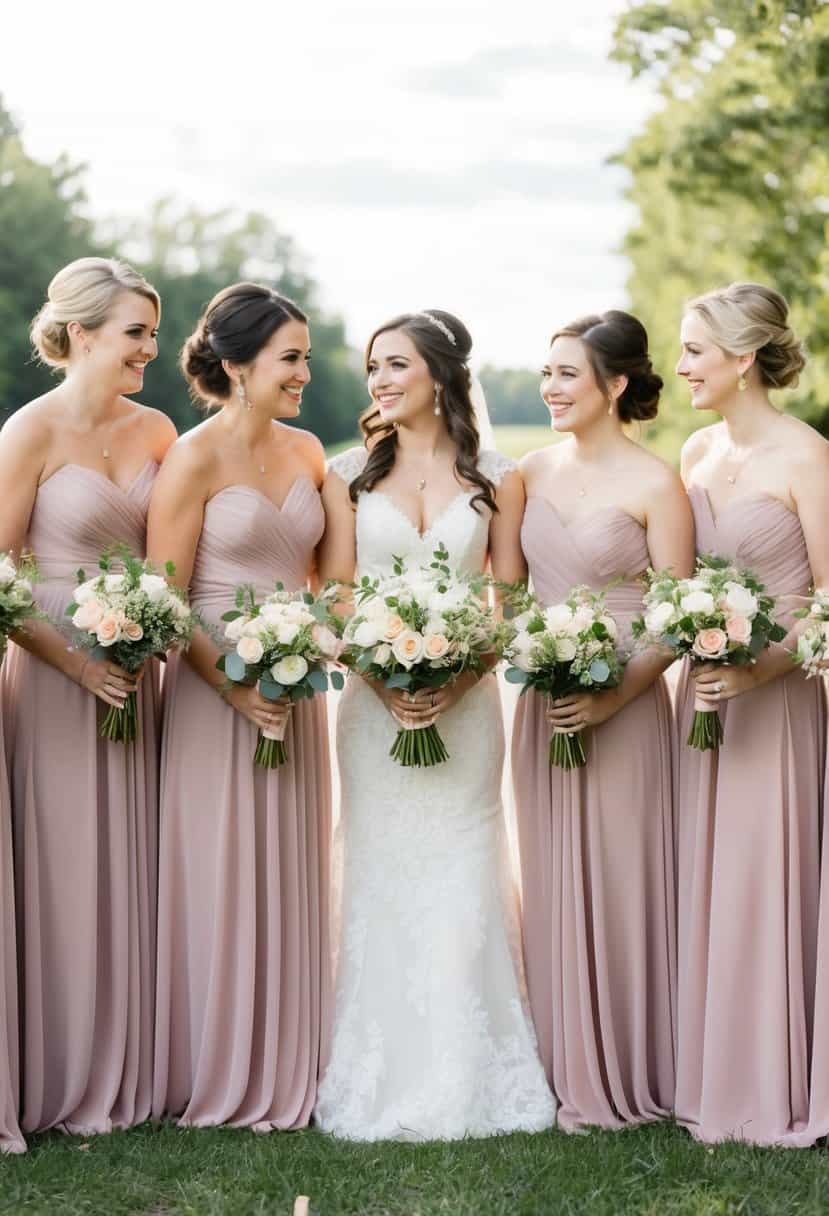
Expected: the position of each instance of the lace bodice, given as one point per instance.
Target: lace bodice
(384, 530)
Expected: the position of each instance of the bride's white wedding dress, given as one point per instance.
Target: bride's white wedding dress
(431, 1037)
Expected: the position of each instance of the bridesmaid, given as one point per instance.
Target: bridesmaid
(11, 1141)
(596, 844)
(243, 963)
(76, 467)
(750, 814)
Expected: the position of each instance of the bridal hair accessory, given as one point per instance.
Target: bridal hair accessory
(442, 326)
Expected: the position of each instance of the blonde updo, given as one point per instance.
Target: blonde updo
(84, 291)
(746, 317)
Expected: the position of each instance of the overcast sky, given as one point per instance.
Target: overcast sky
(437, 153)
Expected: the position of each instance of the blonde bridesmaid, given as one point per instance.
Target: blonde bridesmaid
(596, 844)
(750, 814)
(76, 469)
(243, 967)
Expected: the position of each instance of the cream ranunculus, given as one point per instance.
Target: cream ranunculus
(698, 603)
(565, 649)
(154, 587)
(249, 649)
(407, 647)
(289, 670)
(88, 615)
(286, 632)
(739, 601)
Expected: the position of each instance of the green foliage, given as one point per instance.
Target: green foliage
(186, 253)
(512, 396)
(731, 174)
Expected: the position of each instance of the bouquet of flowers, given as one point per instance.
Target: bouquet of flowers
(421, 630)
(565, 648)
(16, 600)
(128, 615)
(813, 644)
(721, 615)
(284, 645)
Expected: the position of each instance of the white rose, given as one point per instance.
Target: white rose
(521, 621)
(286, 632)
(565, 649)
(273, 612)
(407, 647)
(88, 615)
(660, 616)
(154, 587)
(255, 627)
(558, 617)
(289, 670)
(233, 629)
(582, 618)
(7, 570)
(368, 633)
(740, 601)
(85, 591)
(249, 649)
(698, 602)
(610, 626)
(521, 650)
(382, 655)
(445, 601)
(326, 639)
(115, 582)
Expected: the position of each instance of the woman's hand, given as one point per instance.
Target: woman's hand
(108, 681)
(714, 683)
(572, 713)
(267, 715)
(414, 711)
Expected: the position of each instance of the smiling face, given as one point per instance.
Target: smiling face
(274, 380)
(399, 379)
(711, 372)
(569, 387)
(121, 348)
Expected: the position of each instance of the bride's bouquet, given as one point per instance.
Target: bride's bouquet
(421, 630)
(17, 603)
(721, 615)
(129, 615)
(812, 651)
(284, 645)
(561, 649)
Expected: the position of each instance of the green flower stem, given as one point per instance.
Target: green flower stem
(121, 725)
(567, 751)
(420, 748)
(270, 753)
(706, 730)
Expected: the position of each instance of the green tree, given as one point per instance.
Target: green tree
(512, 396)
(731, 174)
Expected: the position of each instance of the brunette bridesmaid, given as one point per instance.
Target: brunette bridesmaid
(243, 965)
(76, 468)
(596, 843)
(750, 814)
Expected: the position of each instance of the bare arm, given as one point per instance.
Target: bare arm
(505, 552)
(337, 551)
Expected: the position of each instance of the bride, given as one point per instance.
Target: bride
(431, 1036)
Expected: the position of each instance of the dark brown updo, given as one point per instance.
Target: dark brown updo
(237, 323)
(445, 344)
(616, 344)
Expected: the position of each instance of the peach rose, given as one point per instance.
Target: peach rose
(738, 629)
(711, 643)
(408, 647)
(435, 645)
(394, 627)
(133, 631)
(88, 615)
(108, 629)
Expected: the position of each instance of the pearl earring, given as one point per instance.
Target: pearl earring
(437, 400)
(742, 384)
(242, 395)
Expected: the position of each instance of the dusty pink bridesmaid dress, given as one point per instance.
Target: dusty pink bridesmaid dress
(85, 834)
(243, 963)
(11, 1141)
(749, 826)
(597, 857)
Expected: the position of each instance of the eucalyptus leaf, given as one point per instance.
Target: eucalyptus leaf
(235, 668)
(270, 689)
(317, 679)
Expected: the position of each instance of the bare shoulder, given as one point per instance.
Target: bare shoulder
(193, 456)
(805, 441)
(31, 429)
(537, 465)
(157, 426)
(656, 476)
(307, 448)
(697, 445)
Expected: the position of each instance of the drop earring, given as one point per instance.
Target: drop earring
(742, 384)
(610, 406)
(437, 401)
(242, 395)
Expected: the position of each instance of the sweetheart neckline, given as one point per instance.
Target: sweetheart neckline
(444, 511)
(85, 468)
(241, 485)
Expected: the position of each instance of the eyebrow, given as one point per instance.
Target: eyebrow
(375, 359)
(294, 350)
(567, 367)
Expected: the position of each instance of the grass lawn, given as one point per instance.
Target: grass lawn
(657, 1171)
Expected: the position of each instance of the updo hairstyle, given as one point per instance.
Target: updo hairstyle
(237, 323)
(445, 344)
(616, 344)
(746, 317)
(84, 291)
